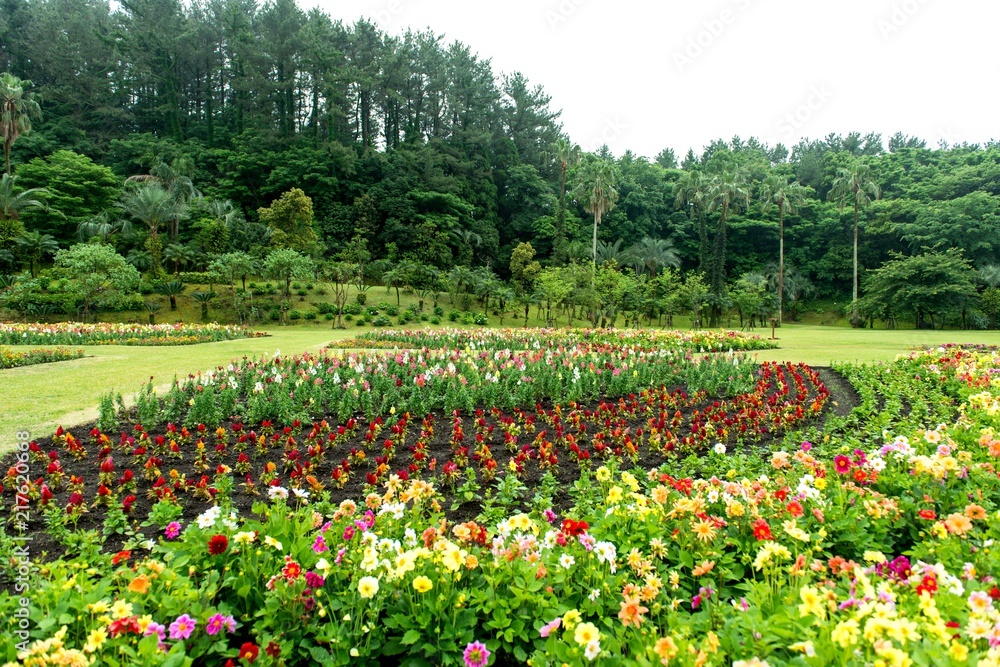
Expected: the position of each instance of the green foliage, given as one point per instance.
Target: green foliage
(101, 276)
(290, 219)
(927, 285)
(76, 186)
(287, 264)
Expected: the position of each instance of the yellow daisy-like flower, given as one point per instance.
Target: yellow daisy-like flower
(121, 609)
(367, 587)
(704, 530)
(571, 618)
(101, 607)
(812, 603)
(422, 584)
(846, 633)
(95, 640)
(615, 494)
(586, 633)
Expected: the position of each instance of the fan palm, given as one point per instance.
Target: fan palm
(727, 194)
(204, 298)
(17, 108)
(855, 183)
(566, 154)
(788, 197)
(173, 178)
(180, 255)
(171, 290)
(599, 194)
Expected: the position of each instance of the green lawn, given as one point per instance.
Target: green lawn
(38, 398)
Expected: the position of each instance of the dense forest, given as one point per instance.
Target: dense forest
(409, 150)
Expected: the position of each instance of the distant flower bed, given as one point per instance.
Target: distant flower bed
(109, 333)
(11, 359)
(526, 339)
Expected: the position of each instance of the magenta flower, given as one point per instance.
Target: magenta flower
(319, 546)
(182, 627)
(172, 530)
(156, 629)
(476, 655)
(218, 623)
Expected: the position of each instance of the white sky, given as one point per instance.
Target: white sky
(631, 73)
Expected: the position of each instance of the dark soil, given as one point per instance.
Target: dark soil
(424, 448)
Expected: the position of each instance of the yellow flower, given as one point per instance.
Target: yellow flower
(586, 633)
(367, 587)
(101, 607)
(571, 618)
(121, 609)
(95, 640)
(958, 652)
(422, 584)
(453, 559)
(846, 633)
(631, 481)
(812, 603)
(874, 556)
(615, 495)
(603, 474)
(704, 531)
(820, 483)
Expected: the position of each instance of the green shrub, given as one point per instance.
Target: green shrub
(391, 311)
(329, 316)
(294, 315)
(381, 321)
(468, 318)
(435, 320)
(438, 311)
(353, 309)
(372, 311)
(454, 315)
(481, 319)
(310, 314)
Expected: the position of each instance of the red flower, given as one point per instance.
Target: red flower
(273, 650)
(218, 544)
(761, 530)
(930, 515)
(794, 508)
(249, 652)
(120, 556)
(841, 464)
(995, 593)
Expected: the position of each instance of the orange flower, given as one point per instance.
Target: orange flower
(139, 585)
(957, 524)
(704, 568)
(666, 648)
(975, 512)
(631, 612)
(704, 531)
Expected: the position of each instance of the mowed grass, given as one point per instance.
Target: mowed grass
(36, 399)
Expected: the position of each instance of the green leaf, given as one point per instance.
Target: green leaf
(411, 637)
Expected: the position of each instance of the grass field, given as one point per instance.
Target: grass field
(38, 398)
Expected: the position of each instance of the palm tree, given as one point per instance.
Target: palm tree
(140, 259)
(855, 182)
(788, 197)
(175, 180)
(990, 275)
(17, 108)
(153, 206)
(102, 227)
(599, 194)
(577, 251)
(692, 192)
(204, 298)
(651, 255)
(223, 211)
(180, 255)
(152, 308)
(614, 253)
(467, 239)
(172, 290)
(567, 154)
(12, 204)
(395, 277)
(34, 246)
(462, 280)
(727, 194)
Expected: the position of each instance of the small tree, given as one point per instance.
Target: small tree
(99, 273)
(204, 298)
(340, 275)
(523, 268)
(231, 267)
(286, 264)
(171, 290)
(34, 247)
(290, 219)
(17, 108)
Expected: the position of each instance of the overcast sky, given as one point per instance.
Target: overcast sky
(645, 75)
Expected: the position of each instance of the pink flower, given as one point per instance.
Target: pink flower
(319, 546)
(172, 530)
(218, 623)
(182, 627)
(549, 627)
(476, 655)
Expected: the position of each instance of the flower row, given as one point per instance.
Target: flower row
(104, 333)
(13, 359)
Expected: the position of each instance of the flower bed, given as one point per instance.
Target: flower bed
(828, 551)
(528, 339)
(13, 359)
(75, 333)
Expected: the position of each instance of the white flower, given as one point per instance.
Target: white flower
(593, 649)
(258, 388)
(566, 561)
(277, 492)
(594, 594)
(719, 448)
(208, 518)
(300, 494)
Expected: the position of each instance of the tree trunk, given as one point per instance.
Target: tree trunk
(854, 294)
(781, 260)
